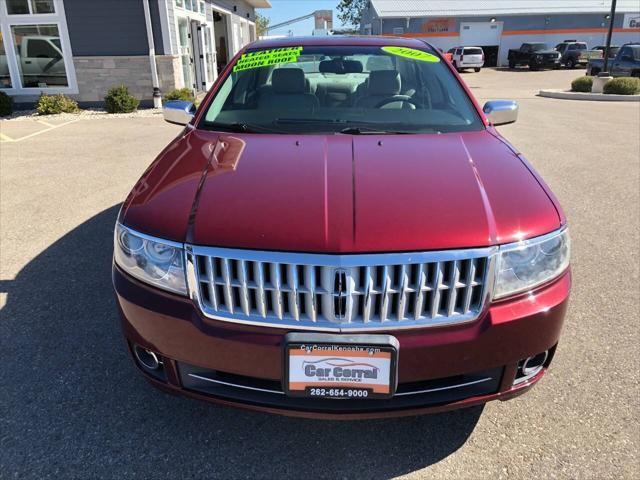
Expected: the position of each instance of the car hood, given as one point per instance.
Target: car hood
(340, 193)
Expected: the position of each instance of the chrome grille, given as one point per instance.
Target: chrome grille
(335, 292)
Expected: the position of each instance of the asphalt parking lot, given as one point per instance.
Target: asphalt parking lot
(72, 405)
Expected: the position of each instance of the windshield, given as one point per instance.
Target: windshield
(536, 47)
(348, 89)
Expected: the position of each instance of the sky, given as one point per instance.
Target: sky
(283, 10)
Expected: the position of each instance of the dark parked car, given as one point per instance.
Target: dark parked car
(535, 55)
(342, 242)
(625, 64)
(573, 54)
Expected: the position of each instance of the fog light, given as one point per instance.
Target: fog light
(146, 358)
(530, 367)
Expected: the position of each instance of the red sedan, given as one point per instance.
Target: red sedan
(339, 231)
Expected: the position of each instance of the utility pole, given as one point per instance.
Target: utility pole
(612, 17)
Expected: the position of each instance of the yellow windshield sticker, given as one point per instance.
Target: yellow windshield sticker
(411, 53)
(265, 58)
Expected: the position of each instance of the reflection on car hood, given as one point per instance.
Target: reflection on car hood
(340, 193)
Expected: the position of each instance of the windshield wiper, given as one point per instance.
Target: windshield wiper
(370, 131)
(307, 121)
(239, 127)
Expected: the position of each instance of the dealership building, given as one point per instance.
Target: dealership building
(499, 25)
(84, 47)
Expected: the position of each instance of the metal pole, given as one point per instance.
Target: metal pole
(606, 50)
(157, 98)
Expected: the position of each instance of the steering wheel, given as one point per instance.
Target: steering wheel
(398, 98)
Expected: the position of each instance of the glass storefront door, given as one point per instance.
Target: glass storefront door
(184, 50)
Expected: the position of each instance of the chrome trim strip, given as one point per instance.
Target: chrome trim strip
(344, 261)
(234, 384)
(266, 390)
(450, 387)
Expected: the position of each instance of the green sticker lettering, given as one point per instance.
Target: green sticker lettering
(265, 58)
(411, 53)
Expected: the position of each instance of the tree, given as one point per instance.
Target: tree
(262, 23)
(350, 11)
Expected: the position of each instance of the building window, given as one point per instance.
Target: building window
(5, 78)
(203, 7)
(29, 7)
(39, 56)
(180, 3)
(34, 48)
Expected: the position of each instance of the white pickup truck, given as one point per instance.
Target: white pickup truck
(40, 61)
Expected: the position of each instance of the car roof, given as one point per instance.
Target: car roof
(340, 40)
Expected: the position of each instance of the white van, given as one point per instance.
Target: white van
(467, 57)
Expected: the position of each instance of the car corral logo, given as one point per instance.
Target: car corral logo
(337, 369)
(631, 20)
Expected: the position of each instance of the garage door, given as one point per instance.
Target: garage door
(477, 34)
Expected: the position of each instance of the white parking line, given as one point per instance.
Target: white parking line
(47, 124)
(6, 138)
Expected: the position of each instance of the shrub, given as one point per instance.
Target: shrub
(119, 100)
(623, 86)
(52, 104)
(185, 94)
(6, 105)
(582, 84)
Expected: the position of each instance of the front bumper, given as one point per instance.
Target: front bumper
(549, 63)
(439, 368)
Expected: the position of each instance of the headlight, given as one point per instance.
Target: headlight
(524, 265)
(152, 260)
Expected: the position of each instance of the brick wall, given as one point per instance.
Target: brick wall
(96, 75)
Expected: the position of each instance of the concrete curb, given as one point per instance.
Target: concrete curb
(599, 97)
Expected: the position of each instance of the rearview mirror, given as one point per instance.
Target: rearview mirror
(178, 111)
(501, 112)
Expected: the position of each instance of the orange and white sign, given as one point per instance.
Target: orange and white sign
(340, 366)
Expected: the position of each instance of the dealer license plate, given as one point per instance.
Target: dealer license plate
(340, 366)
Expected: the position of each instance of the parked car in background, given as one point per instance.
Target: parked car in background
(447, 55)
(574, 54)
(362, 243)
(534, 54)
(626, 63)
(467, 57)
(613, 50)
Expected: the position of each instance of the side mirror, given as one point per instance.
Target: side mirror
(501, 112)
(178, 111)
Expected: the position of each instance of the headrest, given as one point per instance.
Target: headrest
(288, 80)
(353, 66)
(384, 82)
